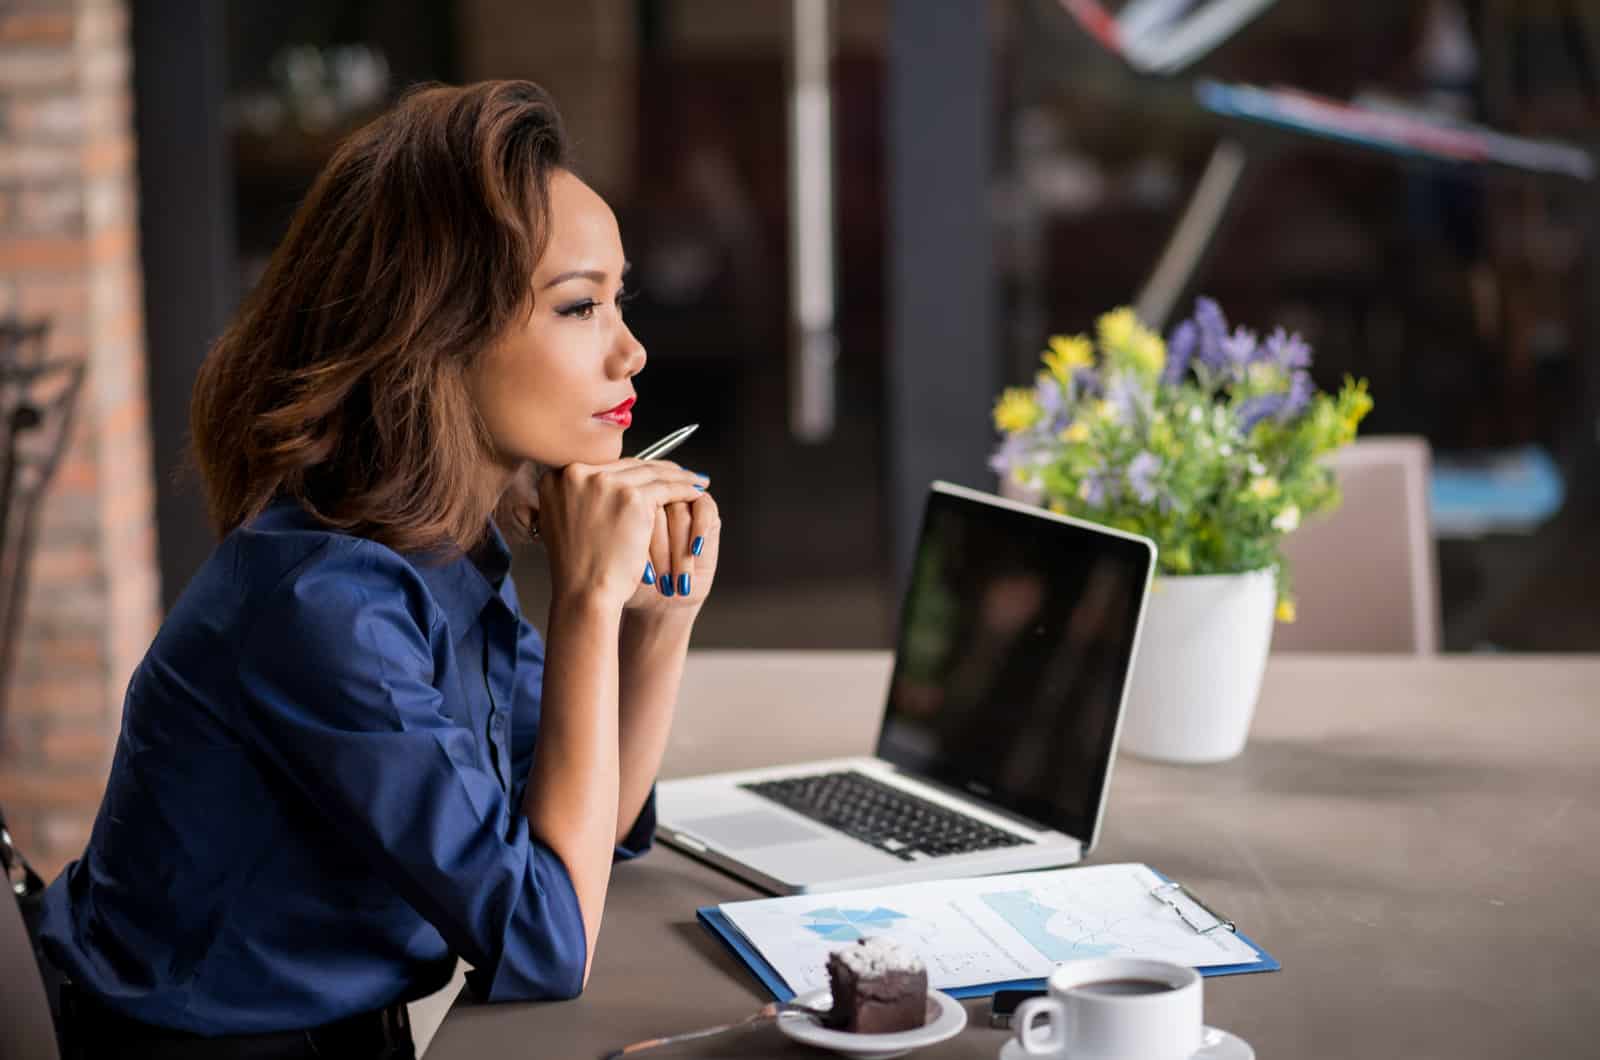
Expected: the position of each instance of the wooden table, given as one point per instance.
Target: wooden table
(1416, 841)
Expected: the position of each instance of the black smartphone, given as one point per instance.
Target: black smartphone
(1005, 1005)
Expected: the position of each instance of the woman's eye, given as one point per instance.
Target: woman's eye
(580, 310)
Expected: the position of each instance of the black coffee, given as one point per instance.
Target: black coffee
(1125, 987)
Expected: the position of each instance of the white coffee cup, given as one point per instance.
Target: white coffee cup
(1114, 1008)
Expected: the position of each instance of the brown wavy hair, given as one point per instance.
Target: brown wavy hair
(342, 381)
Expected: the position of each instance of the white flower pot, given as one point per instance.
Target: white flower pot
(1198, 672)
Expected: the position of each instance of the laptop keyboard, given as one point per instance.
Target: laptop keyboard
(884, 816)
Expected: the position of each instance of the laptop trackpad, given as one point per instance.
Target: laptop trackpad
(754, 828)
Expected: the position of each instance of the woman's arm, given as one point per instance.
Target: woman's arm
(686, 542)
(653, 647)
(596, 523)
(571, 801)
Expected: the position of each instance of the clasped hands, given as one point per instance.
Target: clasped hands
(642, 534)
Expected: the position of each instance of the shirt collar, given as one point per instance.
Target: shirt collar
(463, 583)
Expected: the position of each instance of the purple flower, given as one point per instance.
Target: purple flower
(1009, 455)
(1240, 348)
(1257, 409)
(1141, 476)
(1086, 383)
(1098, 488)
(1047, 392)
(1128, 397)
(1180, 347)
(1213, 329)
(1300, 390)
(1288, 351)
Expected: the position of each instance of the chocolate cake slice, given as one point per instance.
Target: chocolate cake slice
(879, 986)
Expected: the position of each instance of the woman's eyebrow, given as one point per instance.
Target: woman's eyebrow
(593, 275)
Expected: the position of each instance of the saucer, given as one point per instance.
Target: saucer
(945, 1019)
(1214, 1045)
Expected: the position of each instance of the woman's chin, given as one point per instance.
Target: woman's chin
(598, 451)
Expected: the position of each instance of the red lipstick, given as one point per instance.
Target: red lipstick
(619, 415)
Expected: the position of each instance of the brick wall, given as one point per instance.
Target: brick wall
(69, 250)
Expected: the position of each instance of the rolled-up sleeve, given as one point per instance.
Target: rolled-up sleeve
(338, 676)
(642, 834)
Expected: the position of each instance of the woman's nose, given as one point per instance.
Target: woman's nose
(632, 355)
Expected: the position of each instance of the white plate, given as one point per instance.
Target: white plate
(1214, 1045)
(946, 1018)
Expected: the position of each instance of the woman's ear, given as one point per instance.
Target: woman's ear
(519, 505)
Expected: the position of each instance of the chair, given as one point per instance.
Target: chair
(38, 394)
(1365, 576)
(427, 1013)
(27, 1030)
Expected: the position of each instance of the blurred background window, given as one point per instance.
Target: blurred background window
(1462, 293)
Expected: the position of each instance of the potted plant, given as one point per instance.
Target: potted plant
(1211, 444)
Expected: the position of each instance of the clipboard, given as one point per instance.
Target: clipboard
(1184, 902)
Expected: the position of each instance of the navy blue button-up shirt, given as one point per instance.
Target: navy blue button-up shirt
(315, 801)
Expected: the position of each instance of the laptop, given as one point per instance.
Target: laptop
(1017, 637)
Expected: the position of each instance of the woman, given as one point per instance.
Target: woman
(346, 758)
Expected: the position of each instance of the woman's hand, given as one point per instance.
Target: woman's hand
(683, 559)
(598, 523)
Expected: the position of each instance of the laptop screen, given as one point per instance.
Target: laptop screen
(1016, 635)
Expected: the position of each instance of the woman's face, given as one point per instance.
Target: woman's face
(550, 388)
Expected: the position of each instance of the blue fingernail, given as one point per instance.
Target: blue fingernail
(699, 543)
(683, 585)
(699, 487)
(649, 573)
(666, 585)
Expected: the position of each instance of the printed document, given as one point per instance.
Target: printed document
(988, 929)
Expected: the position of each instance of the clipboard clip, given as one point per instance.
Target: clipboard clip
(1190, 909)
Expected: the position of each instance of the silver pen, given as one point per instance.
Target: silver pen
(667, 444)
(654, 452)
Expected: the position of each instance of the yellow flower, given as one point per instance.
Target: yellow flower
(1128, 343)
(1285, 612)
(1117, 328)
(1076, 433)
(1354, 404)
(1148, 352)
(1016, 410)
(1264, 488)
(1067, 355)
(1058, 507)
(1105, 411)
(1287, 520)
(1357, 402)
